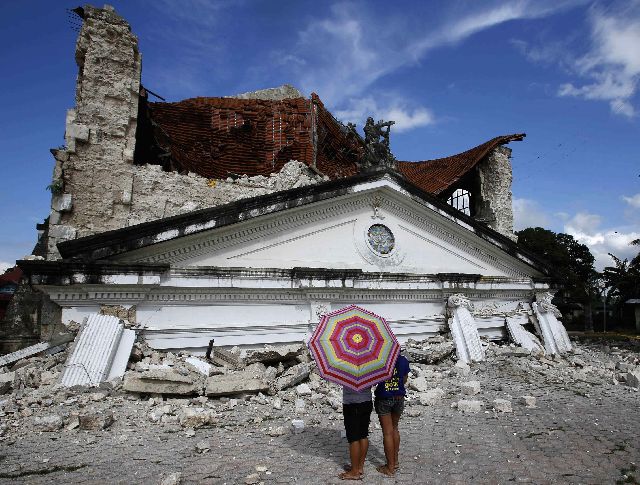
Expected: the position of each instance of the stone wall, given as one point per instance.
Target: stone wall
(96, 187)
(492, 192)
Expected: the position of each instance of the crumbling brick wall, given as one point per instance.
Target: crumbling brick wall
(96, 186)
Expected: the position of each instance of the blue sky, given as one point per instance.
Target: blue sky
(452, 74)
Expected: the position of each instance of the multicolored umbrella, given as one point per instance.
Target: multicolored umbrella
(354, 348)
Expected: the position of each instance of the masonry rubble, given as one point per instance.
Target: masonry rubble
(287, 395)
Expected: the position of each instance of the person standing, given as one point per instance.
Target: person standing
(356, 411)
(389, 404)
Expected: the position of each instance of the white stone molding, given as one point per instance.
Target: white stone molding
(101, 351)
(521, 336)
(464, 330)
(554, 335)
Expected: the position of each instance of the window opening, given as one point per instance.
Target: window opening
(460, 200)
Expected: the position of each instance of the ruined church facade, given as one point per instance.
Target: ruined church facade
(244, 219)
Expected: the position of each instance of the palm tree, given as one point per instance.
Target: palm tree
(623, 279)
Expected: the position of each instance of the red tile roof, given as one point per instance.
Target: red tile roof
(435, 176)
(219, 137)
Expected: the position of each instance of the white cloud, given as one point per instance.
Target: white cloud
(342, 55)
(399, 110)
(633, 201)
(585, 228)
(528, 213)
(5, 266)
(611, 67)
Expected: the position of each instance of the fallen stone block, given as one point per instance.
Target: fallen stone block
(294, 375)
(430, 353)
(297, 425)
(470, 388)
(625, 367)
(632, 379)
(528, 401)
(419, 384)
(502, 405)
(203, 446)
(300, 406)
(226, 358)
(470, 406)
(171, 479)
(162, 381)
(303, 390)
(6, 382)
(277, 431)
(235, 383)
(49, 423)
(431, 397)
(461, 368)
(196, 417)
(274, 354)
(199, 365)
(95, 421)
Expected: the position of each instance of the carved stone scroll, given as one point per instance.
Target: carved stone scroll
(464, 330)
(521, 336)
(555, 337)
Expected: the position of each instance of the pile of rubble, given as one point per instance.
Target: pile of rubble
(279, 390)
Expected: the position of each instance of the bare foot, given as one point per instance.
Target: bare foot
(384, 469)
(350, 476)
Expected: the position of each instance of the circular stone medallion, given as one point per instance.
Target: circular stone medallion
(381, 239)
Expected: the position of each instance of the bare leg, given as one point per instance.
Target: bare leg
(364, 448)
(357, 457)
(388, 442)
(395, 419)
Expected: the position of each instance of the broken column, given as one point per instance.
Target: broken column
(463, 329)
(92, 175)
(519, 335)
(545, 318)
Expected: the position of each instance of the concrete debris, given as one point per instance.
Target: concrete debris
(270, 355)
(6, 382)
(171, 479)
(429, 351)
(470, 406)
(196, 417)
(528, 401)
(502, 405)
(233, 384)
(293, 376)
(51, 422)
(169, 392)
(297, 425)
(95, 421)
(632, 379)
(431, 397)
(470, 388)
(200, 365)
(226, 358)
(252, 479)
(163, 381)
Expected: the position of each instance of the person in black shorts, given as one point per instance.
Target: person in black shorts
(389, 405)
(356, 410)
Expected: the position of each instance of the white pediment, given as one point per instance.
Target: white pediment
(408, 236)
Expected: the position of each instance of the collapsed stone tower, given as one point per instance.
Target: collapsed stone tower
(92, 174)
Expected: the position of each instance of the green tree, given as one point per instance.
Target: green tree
(623, 280)
(571, 265)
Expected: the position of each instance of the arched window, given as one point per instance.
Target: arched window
(460, 200)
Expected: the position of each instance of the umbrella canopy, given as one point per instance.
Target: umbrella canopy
(354, 348)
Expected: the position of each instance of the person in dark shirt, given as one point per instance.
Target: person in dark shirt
(389, 404)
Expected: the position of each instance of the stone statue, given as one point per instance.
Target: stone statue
(376, 138)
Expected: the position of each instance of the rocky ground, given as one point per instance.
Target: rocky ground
(515, 417)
